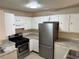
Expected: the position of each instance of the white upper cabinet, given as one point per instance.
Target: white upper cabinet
(35, 23)
(37, 20)
(67, 22)
(64, 23)
(44, 18)
(28, 23)
(74, 23)
(9, 23)
(23, 22)
(54, 18)
(20, 21)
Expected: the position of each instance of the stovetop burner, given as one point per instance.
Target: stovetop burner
(18, 39)
(20, 42)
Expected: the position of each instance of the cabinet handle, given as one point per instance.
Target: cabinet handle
(71, 23)
(13, 24)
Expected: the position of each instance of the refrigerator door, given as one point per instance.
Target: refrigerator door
(46, 52)
(46, 34)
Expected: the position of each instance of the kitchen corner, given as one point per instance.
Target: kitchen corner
(33, 41)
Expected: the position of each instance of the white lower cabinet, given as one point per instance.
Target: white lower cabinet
(34, 45)
(60, 51)
(31, 44)
(12, 55)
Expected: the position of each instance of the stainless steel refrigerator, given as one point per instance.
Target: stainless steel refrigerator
(48, 33)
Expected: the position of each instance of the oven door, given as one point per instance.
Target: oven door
(23, 50)
(23, 47)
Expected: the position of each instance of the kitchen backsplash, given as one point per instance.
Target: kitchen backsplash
(21, 30)
(67, 35)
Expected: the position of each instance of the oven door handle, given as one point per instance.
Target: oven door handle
(22, 44)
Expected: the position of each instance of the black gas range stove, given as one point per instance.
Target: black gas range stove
(21, 43)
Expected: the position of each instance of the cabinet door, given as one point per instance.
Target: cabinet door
(37, 20)
(74, 23)
(9, 23)
(60, 52)
(64, 23)
(31, 45)
(20, 21)
(28, 23)
(12, 55)
(44, 18)
(54, 18)
(36, 45)
(35, 23)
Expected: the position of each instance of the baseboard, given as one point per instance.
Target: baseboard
(34, 52)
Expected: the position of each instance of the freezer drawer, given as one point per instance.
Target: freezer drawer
(46, 52)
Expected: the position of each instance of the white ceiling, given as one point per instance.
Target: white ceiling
(47, 4)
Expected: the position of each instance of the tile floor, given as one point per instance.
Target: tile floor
(33, 56)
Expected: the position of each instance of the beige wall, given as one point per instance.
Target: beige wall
(19, 13)
(22, 13)
(2, 25)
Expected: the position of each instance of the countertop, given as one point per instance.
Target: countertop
(70, 44)
(31, 36)
(8, 47)
(8, 52)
